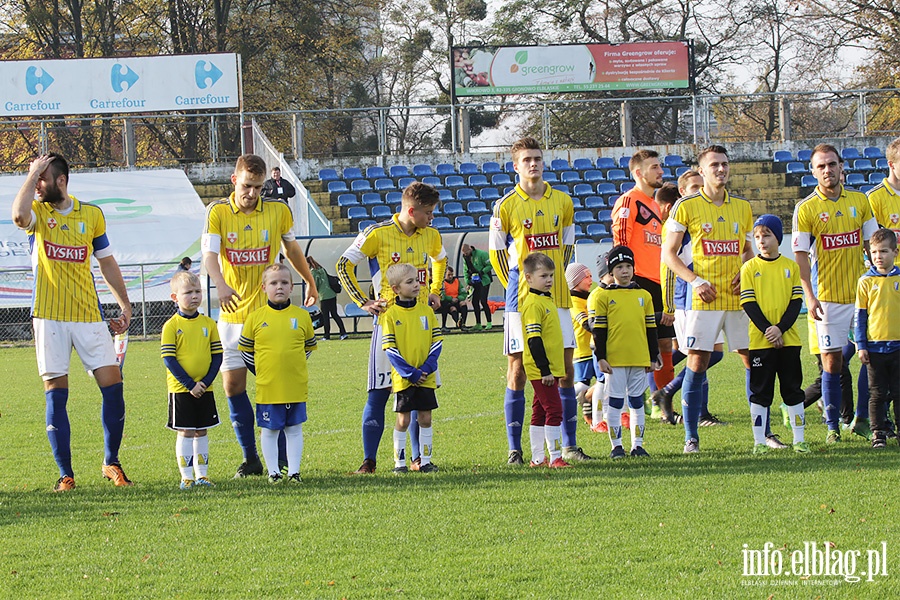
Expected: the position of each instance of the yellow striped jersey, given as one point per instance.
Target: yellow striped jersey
(885, 205)
(833, 232)
(675, 291)
(192, 342)
(384, 244)
(878, 296)
(61, 249)
(540, 319)
(246, 245)
(520, 225)
(718, 235)
(772, 284)
(279, 340)
(413, 332)
(626, 313)
(583, 336)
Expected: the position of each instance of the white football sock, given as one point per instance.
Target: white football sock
(268, 439)
(184, 453)
(536, 432)
(294, 438)
(614, 420)
(553, 435)
(798, 421)
(758, 418)
(426, 438)
(399, 448)
(637, 426)
(201, 456)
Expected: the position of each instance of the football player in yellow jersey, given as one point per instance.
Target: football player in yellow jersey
(242, 237)
(579, 280)
(831, 229)
(533, 217)
(884, 198)
(64, 234)
(719, 227)
(407, 237)
(877, 331)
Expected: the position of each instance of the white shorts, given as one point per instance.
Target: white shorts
(230, 335)
(379, 366)
(680, 316)
(514, 338)
(833, 331)
(627, 381)
(54, 340)
(703, 327)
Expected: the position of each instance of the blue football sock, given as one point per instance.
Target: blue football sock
(514, 409)
(831, 397)
(651, 381)
(691, 400)
(862, 397)
(414, 433)
(58, 431)
(112, 413)
(570, 416)
(677, 356)
(704, 397)
(282, 448)
(676, 384)
(373, 421)
(243, 422)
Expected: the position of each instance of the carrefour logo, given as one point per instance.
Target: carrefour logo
(520, 67)
(122, 78)
(202, 74)
(34, 77)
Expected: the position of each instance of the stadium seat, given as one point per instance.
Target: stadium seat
(362, 226)
(863, 164)
(347, 200)
(508, 167)
(673, 161)
(437, 209)
(352, 173)
(679, 171)
(382, 212)
(604, 189)
(360, 185)
(562, 188)
(596, 230)
(594, 202)
(501, 179)
(371, 198)
(873, 153)
(577, 203)
(404, 182)
(583, 240)
(453, 208)
(606, 163)
(489, 168)
(582, 164)
(445, 195)
(850, 154)
(489, 194)
(422, 170)
(797, 167)
(455, 181)
(465, 222)
(579, 231)
(584, 216)
(357, 212)
(570, 176)
(866, 188)
(441, 223)
(551, 177)
(328, 175)
(397, 171)
(782, 156)
(508, 189)
(443, 169)
(616, 175)
(882, 164)
(593, 176)
(477, 207)
(804, 155)
(384, 184)
(484, 220)
(375, 172)
(611, 200)
(466, 194)
(808, 181)
(623, 162)
(478, 180)
(394, 197)
(559, 164)
(855, 179)
(582, 189)
(432, 180)
(604, 216)
(468, 168)
(626, 185)
(876, 177)
(336, 187)
(667, 174)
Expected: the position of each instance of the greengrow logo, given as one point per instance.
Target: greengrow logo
(522, 58)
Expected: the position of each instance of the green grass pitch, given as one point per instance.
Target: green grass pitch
(673, 526)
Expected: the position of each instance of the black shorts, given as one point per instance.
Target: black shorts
(187, 412)
(655, 289)
(415, 398)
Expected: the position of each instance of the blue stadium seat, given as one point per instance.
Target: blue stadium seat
(559, 164)
(593, 176)
(577, 203)
(478, 180)
(437, 209)
(616, 175)
(399, 171)
(484, 220)
(626, 185)
(371, 198)
(375, 172)
(360, 185)
(667, 174)
(328, 175)
(384, 184)
(562, 188)
(611, 199)
(783, 156)
(866, 188)
(441, 223)
(508, 167)
(501, 179)
(882, 164)
(594, 202)
(445, 169)
(357, 212)
(606, 163)
(579, 233)
(797, 167)
(582, 189)
(454, 181)
(873, 153)
(422, 170)
(508, 189)
(394, 197)
(876, 177)
(673, 160)
(336, 187)
(382, 212)
(863, 164)
(623, 162)
(362, 226)
(596, 230)
(453, 208)
(352, 173)
(466, 194)
(604, 216)
(584, 216)
(477, 207)
(489, 168)
(850, 154)
(582, 164)
(808, 181)
(855, 179)
(468, 168)
(604, 189)
(347, 200)
(804, 155)
(465, 222)
(551, 177)
(583, 240)
(681, 171)
(570, 176)
(432, 180)
(404, 182)
(489, 194)
(444, 194)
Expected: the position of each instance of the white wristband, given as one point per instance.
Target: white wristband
(697, 282)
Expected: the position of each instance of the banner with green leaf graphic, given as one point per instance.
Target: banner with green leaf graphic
(490, 71)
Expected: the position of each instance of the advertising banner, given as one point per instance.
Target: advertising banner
(489, 71)
(135, 84)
